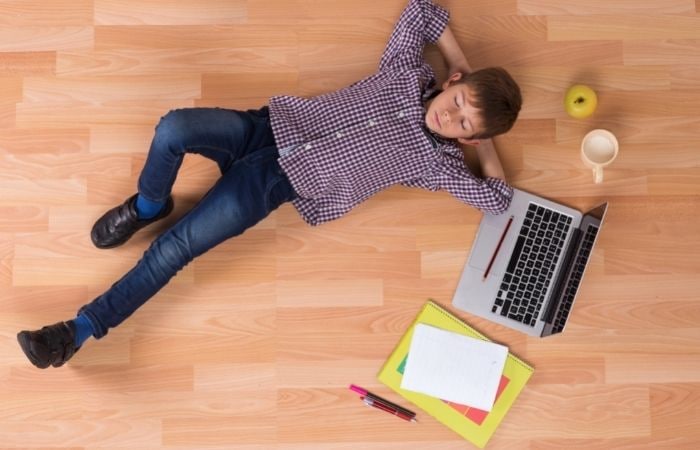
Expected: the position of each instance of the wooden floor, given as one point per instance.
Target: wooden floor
(253, 345)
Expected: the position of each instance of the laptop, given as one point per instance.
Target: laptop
(526, 265)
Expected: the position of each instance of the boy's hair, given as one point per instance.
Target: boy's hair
(498, 97)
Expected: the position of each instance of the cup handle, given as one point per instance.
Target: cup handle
(598, 174)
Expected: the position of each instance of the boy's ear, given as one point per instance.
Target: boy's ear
(454, 77)
(474, 142)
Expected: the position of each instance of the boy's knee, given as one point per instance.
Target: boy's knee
(172, 127)
(173, 120)
(170, 253)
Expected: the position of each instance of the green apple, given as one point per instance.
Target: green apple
(580, 101)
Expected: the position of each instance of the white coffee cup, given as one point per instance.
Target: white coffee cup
(598, 149)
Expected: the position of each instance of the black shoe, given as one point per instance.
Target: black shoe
(118, 224)
(51, 346)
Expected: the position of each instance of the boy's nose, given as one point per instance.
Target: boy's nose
(446, 116)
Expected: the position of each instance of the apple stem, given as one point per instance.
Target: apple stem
(579, 100)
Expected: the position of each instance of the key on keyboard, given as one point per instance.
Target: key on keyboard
(531, 267)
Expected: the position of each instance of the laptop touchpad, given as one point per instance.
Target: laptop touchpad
(484, 248)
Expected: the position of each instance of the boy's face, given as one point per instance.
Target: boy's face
(451, 115)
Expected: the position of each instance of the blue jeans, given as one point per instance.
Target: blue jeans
(251, 186)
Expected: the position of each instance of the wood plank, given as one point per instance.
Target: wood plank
(334, 238)
(151, 12)
(77, 271)
(120, 61)
(612, 412)
(348, 293)
(600, 78)
(674, 409)
(617, 443)
(492, 28)
(239, 36)
(658, 369)
(636, 156)
(45, 141)
(28, 63)
(51, 166)
(101, 433)
(661, 52)
(6, 258)
(11, 88)
(629, 27)
(23, 218)
(42, 192)
(596, 7)
(252, 346)
(349, 265)
(118, 112)
(241, 428)
(45, 39)
(28, 13)
(207, 350)
(219, 86)
(531, 53)
(637, 130)
(110, 89)
(684, 77)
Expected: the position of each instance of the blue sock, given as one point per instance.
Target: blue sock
(147, 209)
(83, 330)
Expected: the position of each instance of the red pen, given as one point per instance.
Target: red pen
(377, 399)
(371, 402)
(386, 404)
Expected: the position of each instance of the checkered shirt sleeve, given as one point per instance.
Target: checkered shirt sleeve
(449, 173)
(420, 23)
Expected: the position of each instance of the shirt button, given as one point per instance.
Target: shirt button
(401, 114)
(339, 134)
(371, 123)
(307, 147)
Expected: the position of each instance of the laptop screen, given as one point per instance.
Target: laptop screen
(566, 295)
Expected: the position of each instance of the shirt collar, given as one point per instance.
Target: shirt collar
(437, 140)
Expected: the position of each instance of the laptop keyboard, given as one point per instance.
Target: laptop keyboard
(531, 267)
(575, 278)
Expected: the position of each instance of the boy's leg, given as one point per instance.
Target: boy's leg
(224, 136)
(246, 193)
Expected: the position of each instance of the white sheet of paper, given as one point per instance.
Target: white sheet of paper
(454, 367)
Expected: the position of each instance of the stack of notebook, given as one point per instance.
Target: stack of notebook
(475, 425)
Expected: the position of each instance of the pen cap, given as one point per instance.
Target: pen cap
(358, 389)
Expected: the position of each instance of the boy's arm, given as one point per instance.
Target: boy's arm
(452, 52)
(420, 23)
(488, 158)
(489, 194)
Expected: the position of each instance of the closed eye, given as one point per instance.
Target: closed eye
(457, 103)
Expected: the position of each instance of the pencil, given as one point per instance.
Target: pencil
(498, 247)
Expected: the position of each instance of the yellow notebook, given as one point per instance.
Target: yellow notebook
(472, 424)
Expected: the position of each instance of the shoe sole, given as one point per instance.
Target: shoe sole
(24, 343)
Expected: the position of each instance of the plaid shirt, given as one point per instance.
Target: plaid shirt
(350, 144)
